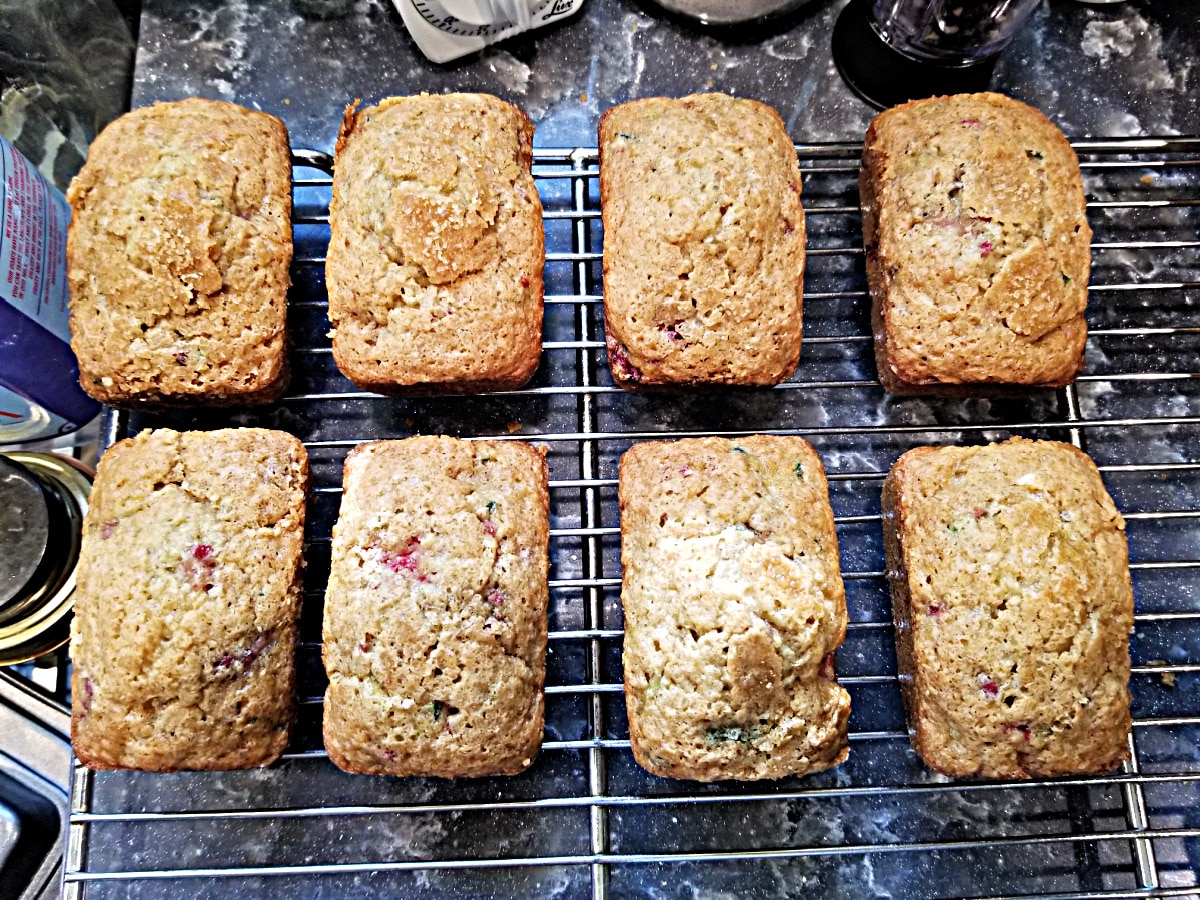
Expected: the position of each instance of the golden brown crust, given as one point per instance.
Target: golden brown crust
(703, 243)
(734, 609)
(1013, 604)
(187, 602)
(977, 247)
(349, 120)
(435, 616)
(436, 251)
(178, 255)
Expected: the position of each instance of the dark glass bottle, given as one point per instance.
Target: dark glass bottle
(957, 31)
(890, 51)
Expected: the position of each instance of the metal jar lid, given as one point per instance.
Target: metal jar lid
(43, 499)
(24, 529)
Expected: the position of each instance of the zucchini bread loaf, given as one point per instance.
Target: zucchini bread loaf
(436, 250)
(1013, 607)
(435, 616)
(703, 242)
(734, 609)
(977, 247)
(187, 602)
(178, 256)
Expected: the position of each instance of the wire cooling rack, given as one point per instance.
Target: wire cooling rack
(585, 821)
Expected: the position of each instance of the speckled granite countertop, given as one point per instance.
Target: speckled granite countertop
(881, 825)
(1122, 69)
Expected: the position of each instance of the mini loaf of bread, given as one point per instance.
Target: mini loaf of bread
(734, 609)
(1013, 607)
(977, 247)
(187, 601)
(703, 242)
(435, 617)
(436, 251)
(178, 256)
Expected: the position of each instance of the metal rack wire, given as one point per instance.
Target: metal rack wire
(585, 821)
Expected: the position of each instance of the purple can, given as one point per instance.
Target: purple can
(40, 396)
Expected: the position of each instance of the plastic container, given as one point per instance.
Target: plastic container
(449, 29)
(40, 396)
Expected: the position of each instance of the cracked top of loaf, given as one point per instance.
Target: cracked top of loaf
(435, 615)
(184, 633)
(178, 256)
(734, 609)
(436, 246)
(703, 242)
(1013, 606)
(978, 249)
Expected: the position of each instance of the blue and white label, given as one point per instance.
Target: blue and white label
(33, 243)
(39, 378)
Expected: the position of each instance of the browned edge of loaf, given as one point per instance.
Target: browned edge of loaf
(621, 377)
(366, 377)
(348, 124)
(522, 758)
(163, 402)
(243, 759)
(270, 390)
(895, 519)
(635, 381)
(704, 773)
(894, 381)
(159, 402)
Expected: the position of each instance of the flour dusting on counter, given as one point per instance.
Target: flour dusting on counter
(1136, 39)
(1105, 39)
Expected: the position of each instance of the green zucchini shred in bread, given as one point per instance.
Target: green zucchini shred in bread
(435, 616)
(978, 247)
(734, 609)
(187, 603)
(1013, 605)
